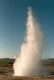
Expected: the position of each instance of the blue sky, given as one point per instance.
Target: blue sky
(13, 15)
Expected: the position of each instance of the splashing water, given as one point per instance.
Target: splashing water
(28, 62)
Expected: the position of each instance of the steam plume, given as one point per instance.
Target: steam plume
(28, 61)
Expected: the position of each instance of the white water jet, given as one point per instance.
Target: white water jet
(27, 64)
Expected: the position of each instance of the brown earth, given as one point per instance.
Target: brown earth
(26, 78)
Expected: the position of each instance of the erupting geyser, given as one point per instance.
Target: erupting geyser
(27, 63)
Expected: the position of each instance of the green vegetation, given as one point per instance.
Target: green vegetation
(6, 62)
(9, 62)
(49, 62)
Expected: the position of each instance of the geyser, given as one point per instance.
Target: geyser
(27, 63)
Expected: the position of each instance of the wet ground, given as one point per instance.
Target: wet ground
(6, 73)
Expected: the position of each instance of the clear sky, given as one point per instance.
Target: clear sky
(13, 15)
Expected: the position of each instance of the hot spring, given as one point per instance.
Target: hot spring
(27, 64)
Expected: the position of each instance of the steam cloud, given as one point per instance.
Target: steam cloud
(28, 62)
